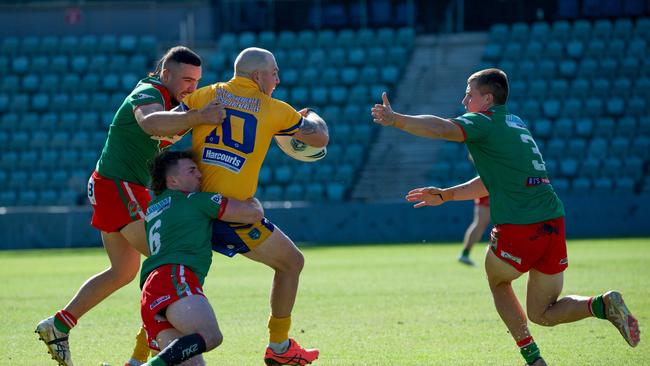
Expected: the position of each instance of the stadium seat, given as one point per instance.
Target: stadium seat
(581, 30)
(337, 57)
(128, 43)
(405, 36)
(346, 38)
(641, 147)
(572, 108)
(597, 148)
(39, 64)
(623, 28)
(593, 107)
(299, 96)
(385, 37)
(626, 127)
(637, 48)
(581, 186)
(317, 57)
(282, 174)
(20, 65)
(335, 191)
(576, 148)
(519, 32)
(266, 39)
(48, 197)
(314, 192)
(499, 33)
(633, 167)
(492, 52)
(18, 179)
(575, 49)
(554, 50)
(602, 186)
(642, 28)
(533, 50)
(595, 49)
(560, 30)
(325, 38)
(303, 172)
(26, 197)
(551, 108)
(9, 45)
(587, 68)
(397, 56)
(68, 197)
(338, 94)
(636, 107)
(555, 148)
(584, 127)
(8, 197)
(590, 168)
(611, 168)
(567, 68)
(601, 87)
(88, 44)
(542, 128)
(644, 126)
(30, 83)
(619, 147)
(294, 192)
(539, 31)
(604, 127)
(148, 44)
(531, 110)
(30, 45)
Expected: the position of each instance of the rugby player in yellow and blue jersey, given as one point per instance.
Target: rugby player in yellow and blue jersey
(529, 234)
(230, 157)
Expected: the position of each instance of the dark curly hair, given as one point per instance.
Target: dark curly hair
(160, 166)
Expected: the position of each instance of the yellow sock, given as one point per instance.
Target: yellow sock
(141, 349)
(279, 329)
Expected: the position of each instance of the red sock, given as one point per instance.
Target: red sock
(64, 321)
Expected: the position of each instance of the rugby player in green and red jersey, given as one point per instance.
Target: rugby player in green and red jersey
(528, 235)
(176, 314)
(117, 189)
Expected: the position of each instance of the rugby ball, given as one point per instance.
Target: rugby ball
(298, 149)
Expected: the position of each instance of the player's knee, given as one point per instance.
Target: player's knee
(213, 339)
(539, 319)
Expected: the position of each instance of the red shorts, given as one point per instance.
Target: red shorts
(164, 286)
(541, 246)
(483, 201)
(116, 203)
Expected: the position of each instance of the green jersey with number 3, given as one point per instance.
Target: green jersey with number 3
(511, 167)
(128, 149)
(179, 228)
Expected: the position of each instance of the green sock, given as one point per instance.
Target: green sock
(465, 253)
(598, 307)
(156, 361)
(530, 352)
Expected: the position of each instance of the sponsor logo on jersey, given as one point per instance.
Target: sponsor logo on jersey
(141, 96)
(516, 122)
(236, 101)
(157, 208)
(216, 199)
(159, 301)
(564, 261)
(223, 158)
(536, 181)
(134, 208)
(254, 234)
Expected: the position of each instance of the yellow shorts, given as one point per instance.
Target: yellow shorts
(230, 238)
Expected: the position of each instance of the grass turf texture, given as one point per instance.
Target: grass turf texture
(361, 305)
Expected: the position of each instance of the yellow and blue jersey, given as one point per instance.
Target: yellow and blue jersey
(230, 155)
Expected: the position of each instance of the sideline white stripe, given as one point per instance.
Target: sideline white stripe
(132, 197)
(181, 274)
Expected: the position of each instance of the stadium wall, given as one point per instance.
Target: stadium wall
(587, 217)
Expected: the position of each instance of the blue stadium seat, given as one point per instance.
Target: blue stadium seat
(335, 191)
(533, 50)
(601, 87)
(48, 197)
(338, 94)
(294, 192)
(629, 67)
(584, 127)
(622, 87)
(59, 64)
(560, 30)
(337, 57)
(567, 68)
(531, 109)
(20, 102)
(542, 128)
(615, 48)
(27, 197)
(602, 186)
(366, 37)
(558, 88)
(641, 147)
(397, 56)
(69, 44)
(8, 198)
(9, 45)
(602, 29)
(265, 175)
(626, 127)
(604, 127)
(357, 56)
(519, 32)
(20, 65)
(499, 33)
(39, 64)
(637, 48)
(405, 37)
(569, 168)
(246, 39)
(18, 179)
(623, 186)
(148, 45)
(303, 172)
(636, 107)
(597, 148)
(30, 45)
(576, 148)
(282, 174)
(326, 38)
(555, 148)
(595, 49)
(88, 44)
(581, 30)
(580, 88)
(551, 108)
(40, 102)
(346, 38)
(554, 50)
(314, 192)
(575, 49)
(128, 43)
(642, 28)
(385, 37)
(266, 39)
(619, 147)
(317, 57)
(228, 42)
(492, 52)
(623, 28)
(8, 158)
(581, 186)
(351, 113)
(572, 108)
(644, 126)
(590, 168)
(633, 167)
(593, 107)
(537, 88)
(540, 30)
(68, 197)
(611, 168)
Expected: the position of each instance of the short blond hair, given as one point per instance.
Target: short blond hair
(252, 59)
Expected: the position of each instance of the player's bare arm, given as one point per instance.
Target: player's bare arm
(248, 211)
(314, 131)
(154, 120)
(423, 125)
(434, 196)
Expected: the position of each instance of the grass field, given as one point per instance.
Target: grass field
(361, 305)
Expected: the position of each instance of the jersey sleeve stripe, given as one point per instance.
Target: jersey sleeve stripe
(292, 128)
(222, 208)
(461, 128)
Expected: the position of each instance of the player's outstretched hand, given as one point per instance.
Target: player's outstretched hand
(213, 113)
(428, 196)
(383, 113)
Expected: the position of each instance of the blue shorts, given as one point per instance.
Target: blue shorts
(229, 238)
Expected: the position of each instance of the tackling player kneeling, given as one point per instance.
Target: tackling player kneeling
(179, 227)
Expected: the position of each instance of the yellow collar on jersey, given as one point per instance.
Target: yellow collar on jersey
(244, 82)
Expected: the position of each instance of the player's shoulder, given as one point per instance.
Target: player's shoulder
(475, 117)
(147, 88)
(205, 197)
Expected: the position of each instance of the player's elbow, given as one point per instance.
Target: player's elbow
(148, 125)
